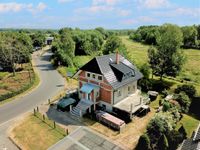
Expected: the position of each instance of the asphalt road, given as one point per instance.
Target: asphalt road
(50, 85)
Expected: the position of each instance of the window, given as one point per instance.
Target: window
(100, 78)
(119, 93)
(93, 76)
(88, 75)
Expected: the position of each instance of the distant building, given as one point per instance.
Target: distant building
(49, 40)
(192, 143)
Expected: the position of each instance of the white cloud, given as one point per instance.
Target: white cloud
(41, 6)
(65, 1)
(180, 11)
(105, 2)
(122, 12)
(154, 4)
(16, 7)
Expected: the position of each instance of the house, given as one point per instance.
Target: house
(192, 143)
(109, 81)
(49, 40)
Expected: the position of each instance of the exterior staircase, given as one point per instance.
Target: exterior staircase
(81, 108)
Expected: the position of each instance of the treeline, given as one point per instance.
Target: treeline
(70, 42)
(149, 35)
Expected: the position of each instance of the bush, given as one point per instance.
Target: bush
(145, 84)
(184, 101)
(143, 143)
(145, 70)
(166, 106)
(188, 89)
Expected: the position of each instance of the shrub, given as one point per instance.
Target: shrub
(145, 70)
(145, 84)
(183, 100)
(166, 106)
(143, 143)
(188, 89)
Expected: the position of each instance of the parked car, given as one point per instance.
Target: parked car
(64, 104)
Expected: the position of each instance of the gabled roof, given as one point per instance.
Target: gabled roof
(117, 75)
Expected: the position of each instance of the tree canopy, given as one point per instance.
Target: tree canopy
(15, 48)
(167, 58)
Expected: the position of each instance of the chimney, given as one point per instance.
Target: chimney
(117, 57)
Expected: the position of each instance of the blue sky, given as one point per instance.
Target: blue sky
(86, 14)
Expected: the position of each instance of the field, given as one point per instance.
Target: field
(33, 134)
(190, 71)
(11, 86)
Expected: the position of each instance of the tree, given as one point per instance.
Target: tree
(183, 100)
(183, 132)
(189, 36)
(143, 143)
(145, 70)
(169, 59)
(38, 39)
(114, 43)
(14, 49)
(163, 143)
(161, 124)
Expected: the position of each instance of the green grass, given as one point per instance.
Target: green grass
(3, 74)
(35, 134)
(190, 124)
(79, 61)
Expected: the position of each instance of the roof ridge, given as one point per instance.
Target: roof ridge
(194, 138)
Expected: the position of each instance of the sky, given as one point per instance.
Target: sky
(87, 14)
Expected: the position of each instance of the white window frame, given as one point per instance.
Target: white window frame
(119, 93)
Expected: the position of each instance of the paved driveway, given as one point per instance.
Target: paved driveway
(51, 83)
(85, 139)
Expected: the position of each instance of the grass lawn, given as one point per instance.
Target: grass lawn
(190, 124)
(34, 134)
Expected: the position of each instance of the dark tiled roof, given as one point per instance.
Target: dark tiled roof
(104, 65)
(189, 144)
(197, 134)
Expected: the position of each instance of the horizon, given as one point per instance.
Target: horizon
(89, 14)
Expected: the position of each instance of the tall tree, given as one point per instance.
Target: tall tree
(189, 36)
(169, 59)
(38, 39)
(114, 43)
(14, 49)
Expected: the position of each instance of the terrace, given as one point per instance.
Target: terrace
(132, 103)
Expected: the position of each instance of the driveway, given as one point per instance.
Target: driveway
(51, 83)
